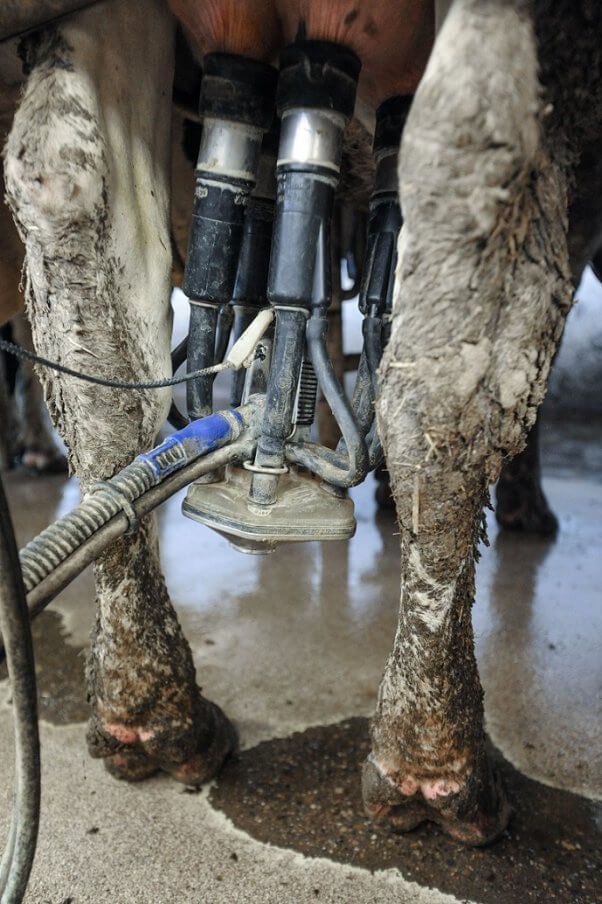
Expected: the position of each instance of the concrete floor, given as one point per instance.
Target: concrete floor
(298, 639)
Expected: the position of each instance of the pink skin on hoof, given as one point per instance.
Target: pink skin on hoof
(121, 733)
(439, 788)
(404, 803)
(189, 753)
(126, 735)
(430, 790)
(409, 786)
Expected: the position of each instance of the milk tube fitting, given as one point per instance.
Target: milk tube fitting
(237, 105)
(316, 95)
(250, 287)
(376, 287)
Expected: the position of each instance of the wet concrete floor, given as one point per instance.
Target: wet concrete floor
(292, 646)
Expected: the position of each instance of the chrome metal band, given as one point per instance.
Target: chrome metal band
(229, 149)
(313, 137)
(385, 177)
(199, 303)
(264, 469)
(291, 307)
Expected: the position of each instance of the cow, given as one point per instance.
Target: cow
(496, 170)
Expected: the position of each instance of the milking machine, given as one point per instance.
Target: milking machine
(270, 498)
(294, 489)
(259, 283)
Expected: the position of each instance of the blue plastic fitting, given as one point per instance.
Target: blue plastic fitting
(196, 439)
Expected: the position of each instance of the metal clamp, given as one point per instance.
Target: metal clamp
(263, 469)
(122, 501)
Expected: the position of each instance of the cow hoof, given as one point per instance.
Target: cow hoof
(473, 816)
(130, 766)
(41, 462)
(522, 506)
(220, 743)
(192, 754)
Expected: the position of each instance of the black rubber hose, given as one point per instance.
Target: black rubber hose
(287, 356)
(14, 624)
(373, 350)
(364, 392)
(340, 469)
(204, 384)
(250, 288)
(224, 329)
(286, 359)
(243, 317)
(201, 347)
(178, 356)
(176, 418)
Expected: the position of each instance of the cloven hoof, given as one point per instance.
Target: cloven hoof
(475, 814)
(193, 755)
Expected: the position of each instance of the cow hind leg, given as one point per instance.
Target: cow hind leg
(87, 177)
(483, 288)
(521, 503)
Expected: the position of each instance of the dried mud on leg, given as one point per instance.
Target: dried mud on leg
(483, 285)
(87, 172)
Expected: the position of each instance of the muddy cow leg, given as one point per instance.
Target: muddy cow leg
(520, 501)
(484, 286)
(86, 171)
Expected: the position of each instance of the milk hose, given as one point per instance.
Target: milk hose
(53, 559)
(14, 624)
